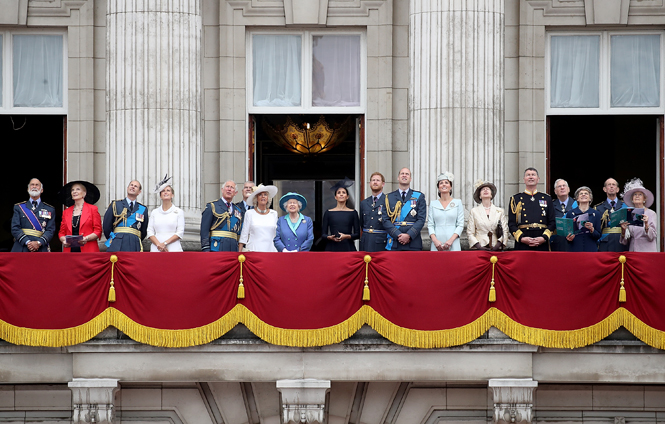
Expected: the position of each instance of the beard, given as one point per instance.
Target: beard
(34, 193)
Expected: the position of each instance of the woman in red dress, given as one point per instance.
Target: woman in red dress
(81, 218)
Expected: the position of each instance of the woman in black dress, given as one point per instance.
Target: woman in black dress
(341, 224)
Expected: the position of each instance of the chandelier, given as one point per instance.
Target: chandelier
(307, 138)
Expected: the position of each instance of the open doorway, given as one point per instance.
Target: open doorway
(586, 150)
(33, 146)
(311, 175)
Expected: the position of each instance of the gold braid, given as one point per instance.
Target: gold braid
(394, 213)
(605, 218)
(220, 218)
(119, 216)
(517, 210)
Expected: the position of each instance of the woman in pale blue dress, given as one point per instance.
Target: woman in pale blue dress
(445, 220)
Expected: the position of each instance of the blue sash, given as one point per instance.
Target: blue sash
(404, 212)
(31, 217)
(131, 220)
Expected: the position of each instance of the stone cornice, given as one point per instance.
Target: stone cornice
(336, 8)
(53, 8)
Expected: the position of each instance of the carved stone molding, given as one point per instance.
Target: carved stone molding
(513, 399)
(92, 399)
(303, 401)
(53, 8)
(606, 12)
(306, 12)
(324, 9)
(14, 12)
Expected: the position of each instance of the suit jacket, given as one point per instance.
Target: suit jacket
(91, 222)
(587, 242)
(241, 206)
(301, 241)
(20, 221)
(125, 242)
(416, 222)
(209, 220)
(558, 243)
(480, 225)
(372, 216)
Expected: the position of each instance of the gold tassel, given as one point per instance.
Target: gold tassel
(241, 287)
(622, 290)
(492, 297)
(114, 259)
(367, 259)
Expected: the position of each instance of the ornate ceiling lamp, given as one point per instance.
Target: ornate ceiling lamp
(306, 138)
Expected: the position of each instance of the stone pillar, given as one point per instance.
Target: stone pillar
(513, 399)
(93, 400)
(153, 103)
(456, 94)
(303, 401)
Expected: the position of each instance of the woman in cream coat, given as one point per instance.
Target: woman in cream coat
(488, 225)
(445, 220)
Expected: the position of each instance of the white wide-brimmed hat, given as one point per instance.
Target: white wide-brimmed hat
(636, 185)
(270, 189)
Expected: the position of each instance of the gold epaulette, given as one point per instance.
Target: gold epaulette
(596, 207)
(221, 217)
(122, 216)
(395, 212)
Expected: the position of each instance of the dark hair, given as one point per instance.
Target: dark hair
(437, 187)
(531, 169)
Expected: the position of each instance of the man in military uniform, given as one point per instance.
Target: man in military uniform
(126, 222)
(372, 214)
(562, 204)
(531, 217)
(407, 212)
(221, 222)
(33, 222)
(247, 189)
(609, 239)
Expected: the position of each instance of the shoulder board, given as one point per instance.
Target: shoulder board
(212, 201)
(19, 203)
(598, 205)
(48, 205)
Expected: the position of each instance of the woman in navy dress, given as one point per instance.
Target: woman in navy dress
(295, 231)
(584, 242)
(341, 224)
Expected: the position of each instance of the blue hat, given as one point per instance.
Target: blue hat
(291, 195)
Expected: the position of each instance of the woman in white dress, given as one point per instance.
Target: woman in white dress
(166, 225)
(445, 220)
(488, 225)
(259, 225)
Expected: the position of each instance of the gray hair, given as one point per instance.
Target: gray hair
(556, 183)
(577, 192)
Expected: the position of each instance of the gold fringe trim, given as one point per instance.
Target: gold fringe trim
(568, 339)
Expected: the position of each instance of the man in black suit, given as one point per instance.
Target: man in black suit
(562, 204)
(372, 215)
(247, 189)
(407, 212)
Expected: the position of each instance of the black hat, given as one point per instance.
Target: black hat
(92, 193)
(345, 183)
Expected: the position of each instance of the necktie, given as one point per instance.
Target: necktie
(374, 203)
(403, 197)
(228, 206)
(34, 204)
(131, 206)
(613, 203)
(563, 207)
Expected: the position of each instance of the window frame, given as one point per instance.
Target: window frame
(306, 73)
(7, 107)
(604, 89)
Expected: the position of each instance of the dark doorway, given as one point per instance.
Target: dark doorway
(586, 150)
(34, 148)
(310, 175)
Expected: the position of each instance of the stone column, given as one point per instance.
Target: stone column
(303, 401)
(153, 103)
(513, 399)
(456, 94)
(93, 400)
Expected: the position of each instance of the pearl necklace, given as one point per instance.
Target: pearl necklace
(262, 212)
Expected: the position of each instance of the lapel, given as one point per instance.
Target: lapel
(85, 214)
(492, 216)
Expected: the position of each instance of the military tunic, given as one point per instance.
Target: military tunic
(220, 227)
(372, 215)
(531, 215)
(129, 228)
(558, 243)
(413, 222)
(609, 239)
(23, 231)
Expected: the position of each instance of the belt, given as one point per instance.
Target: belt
(533, 226)
(127, 230)
(612, 230)
(403, 223)
(224, 234)
(34, 233)
(373, 231)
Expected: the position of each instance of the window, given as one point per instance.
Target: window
(309, 71)
(605, 72)
(33, 66)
